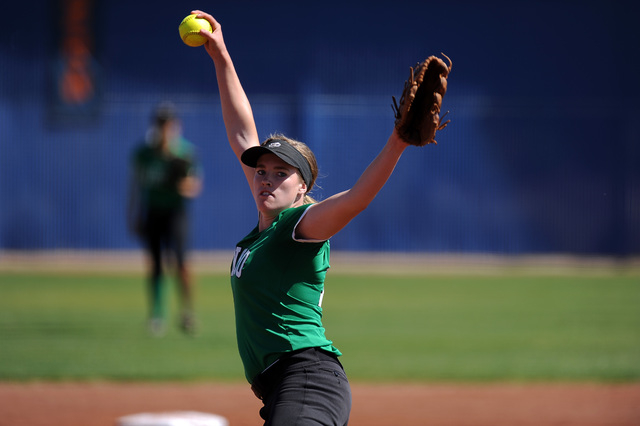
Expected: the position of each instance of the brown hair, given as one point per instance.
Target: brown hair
(308, 155)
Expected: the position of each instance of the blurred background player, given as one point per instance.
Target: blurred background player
(165, 175)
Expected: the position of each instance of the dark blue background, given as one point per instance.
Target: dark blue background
(541, 155)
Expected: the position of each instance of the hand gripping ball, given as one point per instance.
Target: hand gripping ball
(190, 30)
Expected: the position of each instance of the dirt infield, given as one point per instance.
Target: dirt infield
(101, 404)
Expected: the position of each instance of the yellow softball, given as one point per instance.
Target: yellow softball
(190, 30)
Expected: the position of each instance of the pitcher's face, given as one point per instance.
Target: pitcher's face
(277, 185)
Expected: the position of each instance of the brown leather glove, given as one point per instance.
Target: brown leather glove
(418, 113)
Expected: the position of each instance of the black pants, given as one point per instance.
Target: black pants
(306, 387)
(165, 230)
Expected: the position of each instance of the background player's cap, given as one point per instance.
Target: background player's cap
(164, 112)
(285, 151)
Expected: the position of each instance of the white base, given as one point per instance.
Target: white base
(176, 418)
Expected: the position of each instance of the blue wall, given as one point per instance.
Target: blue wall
(541, 156)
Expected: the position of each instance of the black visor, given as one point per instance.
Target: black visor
(285, 151)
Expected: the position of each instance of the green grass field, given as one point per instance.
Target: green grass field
(508, 327)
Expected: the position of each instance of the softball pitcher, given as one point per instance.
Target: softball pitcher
(279, 267)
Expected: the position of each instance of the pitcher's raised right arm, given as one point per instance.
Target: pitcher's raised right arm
(236, 109)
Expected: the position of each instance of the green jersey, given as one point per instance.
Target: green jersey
(158, 173)
(278, 285)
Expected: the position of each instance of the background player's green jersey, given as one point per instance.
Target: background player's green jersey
(278, 284)
(158, 173)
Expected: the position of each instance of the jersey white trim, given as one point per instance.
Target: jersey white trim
(301, 240)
